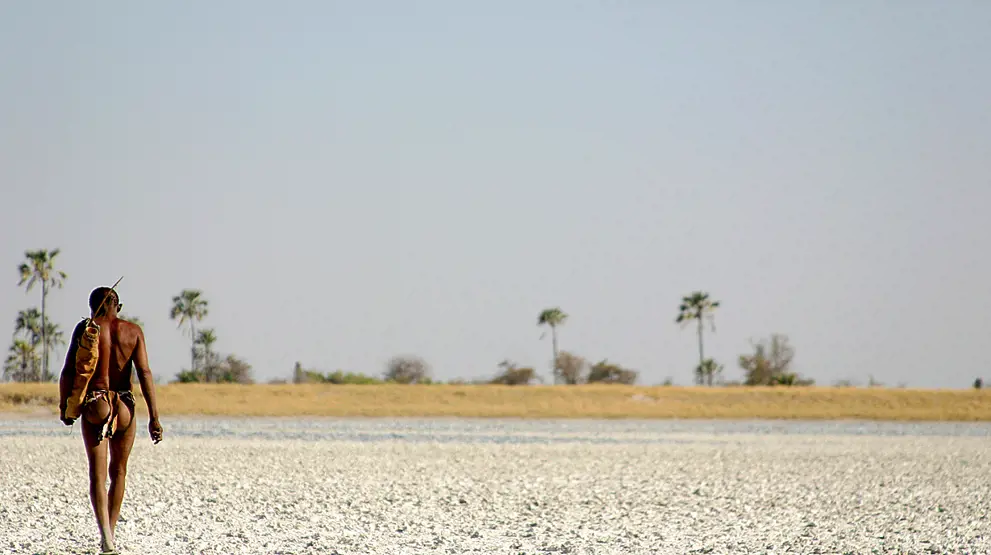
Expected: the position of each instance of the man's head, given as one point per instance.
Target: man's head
(110, 308)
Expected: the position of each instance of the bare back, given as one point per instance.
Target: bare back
(121, 349)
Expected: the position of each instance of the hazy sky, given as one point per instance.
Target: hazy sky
(348, 181)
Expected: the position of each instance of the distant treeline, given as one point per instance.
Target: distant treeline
(414, 370)
(770, 362)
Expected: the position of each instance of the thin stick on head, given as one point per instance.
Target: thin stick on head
(107, 295)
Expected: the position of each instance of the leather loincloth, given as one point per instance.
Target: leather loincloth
(109, 426)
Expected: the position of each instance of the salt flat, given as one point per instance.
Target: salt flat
(509, 486)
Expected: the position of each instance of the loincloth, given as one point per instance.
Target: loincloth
(109, 426)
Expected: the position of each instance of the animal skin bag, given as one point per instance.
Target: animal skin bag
(87, 356)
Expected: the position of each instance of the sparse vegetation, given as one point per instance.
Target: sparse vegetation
(512, 374)
(22, 363)
(40, 268)
(189, 307)
(581, 401)
(230, 370)
(698, 307)
(25, 359)
(210, 367)
(302, 376)
(552, 317)
(570, 369)
(770, 363)
(604, 372)
(203, 352)
(407, 370)
(708, 372)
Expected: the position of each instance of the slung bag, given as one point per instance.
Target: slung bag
(87, 357)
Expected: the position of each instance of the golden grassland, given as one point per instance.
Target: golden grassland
(583, 401)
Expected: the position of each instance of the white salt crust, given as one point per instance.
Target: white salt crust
(702, 494)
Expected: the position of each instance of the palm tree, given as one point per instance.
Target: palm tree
(52, 337)
(28, 323)
(698, 307)
(189, 306)
(22, 362)
(707, 371)
(207, 338)
(40, 266)
(552, 317)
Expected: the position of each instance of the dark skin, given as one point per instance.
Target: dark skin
(122, 349)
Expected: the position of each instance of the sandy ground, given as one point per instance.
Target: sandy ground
(636, 492)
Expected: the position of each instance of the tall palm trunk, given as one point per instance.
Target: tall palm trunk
(701, 352)
(192, 348)
(44, 334)
(207, 364)
(554, 344)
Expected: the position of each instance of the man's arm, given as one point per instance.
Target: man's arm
(68, 371)
(147, 385)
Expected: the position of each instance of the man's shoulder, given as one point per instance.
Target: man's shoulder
(129, 326)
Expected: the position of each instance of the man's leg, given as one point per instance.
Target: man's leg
(96, 452)
(120, 451)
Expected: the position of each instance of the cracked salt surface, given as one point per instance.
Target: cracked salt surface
(399, 486)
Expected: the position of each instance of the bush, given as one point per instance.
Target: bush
(570, 368)
(514, 375)
(234, 370)
(788, 378)
(770, 364)
(604, 372)
(302, 375)
(230, 370)
(310, 376)
(354, 378)
(708, 372)
(189, 376)
(462, 381)
(408, 370)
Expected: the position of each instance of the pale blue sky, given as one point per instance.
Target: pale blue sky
(350, 181)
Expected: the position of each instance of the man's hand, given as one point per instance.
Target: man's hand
(66, 421)
(155, 429)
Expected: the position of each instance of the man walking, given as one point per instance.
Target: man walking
(107, 409)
